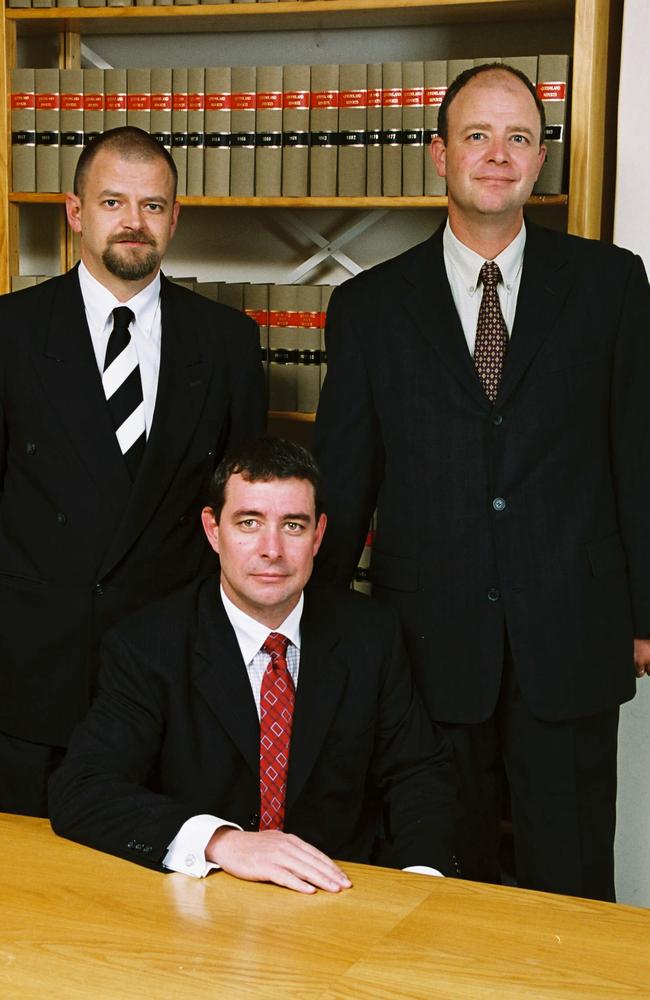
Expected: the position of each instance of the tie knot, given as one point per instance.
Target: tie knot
(276, 645)
(122, 317)
(490, 274)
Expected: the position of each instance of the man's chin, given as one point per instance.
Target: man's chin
(131, 265)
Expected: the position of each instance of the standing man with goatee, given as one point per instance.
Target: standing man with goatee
(119, 393)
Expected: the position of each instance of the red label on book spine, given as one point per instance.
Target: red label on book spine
(374, 97)
(217, 102)
(413, 97)
(243, 101)
(72, 102)
(295, 99)
(308, 320)
(195, 102)
(283, 317)
(269, 100)
(19, 101)
(161, 102)
(138, 102)
(47, 102)
(179, 101)
(552, 91)
(325, 99)
(261, 316)
(116, 102)
(392, 98)
(93, 102)
(353, 99)
(433, 96)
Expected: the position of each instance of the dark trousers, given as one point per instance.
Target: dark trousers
(562, 781)
(24, 772)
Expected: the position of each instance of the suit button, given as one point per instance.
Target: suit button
(131, 845)
(61, 518)
(99, 590)
(493, 594)
(497, 419)
(190, 860)
(183, 519)
(30, 448)
(254, 820)
(499, 503)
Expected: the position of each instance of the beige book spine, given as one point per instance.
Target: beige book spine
(256, 305)
(284, 344)
(138, 98)
(525, 64)
(413, 129)
(323, 127)
(231, 293)
(486, 60)
(309, 324)
(92, 3)
(115, 102)
(20, 281)
(353, 121)
(23, 130)
(179, 125)
(217, 132)
(373, 138)
(392, 129)
(296, 82)
(268, 132)
(435, 87)
(553, 91)
(242, 142)
(209, 289)
(161, 106)
(457, 66)
(326, 294)
(72, 123)
(94, 99)
(46, 83)
(195, 125)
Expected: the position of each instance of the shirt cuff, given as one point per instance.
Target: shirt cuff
(423, 870)
(186, 853)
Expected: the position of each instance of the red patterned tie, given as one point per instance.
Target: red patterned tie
(491, 332)
(277, 696)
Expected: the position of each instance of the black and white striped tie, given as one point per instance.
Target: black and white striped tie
(123, 389)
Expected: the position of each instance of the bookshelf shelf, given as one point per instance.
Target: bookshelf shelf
(298, 418)
(28, 198)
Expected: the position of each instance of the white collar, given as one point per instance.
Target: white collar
(467, 263)
(252, 634)
(100, 302)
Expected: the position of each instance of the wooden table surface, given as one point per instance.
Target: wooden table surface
(75, 923)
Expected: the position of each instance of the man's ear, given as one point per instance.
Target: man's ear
(73, 212)
(321, 524)
(210, 527)
(438, 153)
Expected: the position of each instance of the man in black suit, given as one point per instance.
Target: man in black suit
(512, 495)
(109, 435)
(169, 768)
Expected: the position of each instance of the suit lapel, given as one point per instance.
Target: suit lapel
(220, 675)
(73, 385)
(545, 283)
(182, 386)
(321, 681)
(431, 307)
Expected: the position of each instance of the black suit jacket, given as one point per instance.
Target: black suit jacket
(174, 732)
(80, 545)
(405, 425)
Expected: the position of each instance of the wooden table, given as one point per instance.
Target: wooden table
(75, 923)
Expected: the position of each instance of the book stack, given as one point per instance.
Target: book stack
(361, 578)
(358, 130)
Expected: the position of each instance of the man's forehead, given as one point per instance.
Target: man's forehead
(274, 491)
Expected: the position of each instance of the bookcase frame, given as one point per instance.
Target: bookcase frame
(595, 69)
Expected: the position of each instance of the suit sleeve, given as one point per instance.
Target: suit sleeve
(348, 442)
(630, 439)
(413, 771)
(249, 394)
(98, 796)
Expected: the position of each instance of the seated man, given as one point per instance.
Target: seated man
(255, 727)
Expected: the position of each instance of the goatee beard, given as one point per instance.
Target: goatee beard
(130, 268)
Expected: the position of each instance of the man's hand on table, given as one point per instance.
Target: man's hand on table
(273, 856)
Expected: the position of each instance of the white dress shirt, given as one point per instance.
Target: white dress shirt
(145, 330)
(463, 267)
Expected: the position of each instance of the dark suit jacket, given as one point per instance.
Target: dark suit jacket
(174, 732)
(405, 425)
(80, 545)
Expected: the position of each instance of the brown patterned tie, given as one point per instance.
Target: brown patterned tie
(277, 696)
(491, 332)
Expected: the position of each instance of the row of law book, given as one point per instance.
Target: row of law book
(349, 130)
(291, 319)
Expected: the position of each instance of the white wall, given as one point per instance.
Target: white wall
(632, 230)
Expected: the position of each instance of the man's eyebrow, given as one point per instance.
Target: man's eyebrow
(486, 126)
(302, 516)
(107, 193)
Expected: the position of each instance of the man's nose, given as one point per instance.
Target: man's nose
(132, 217)
(271, 542)
(498, 149)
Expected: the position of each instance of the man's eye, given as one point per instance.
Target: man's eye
(477, 135)
(294, 526)
(248, 522)
(520, 139)
(153, 206)
(111, 202)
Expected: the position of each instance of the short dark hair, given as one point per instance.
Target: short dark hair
(130, 143)
(464, 78)
(261, 460)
